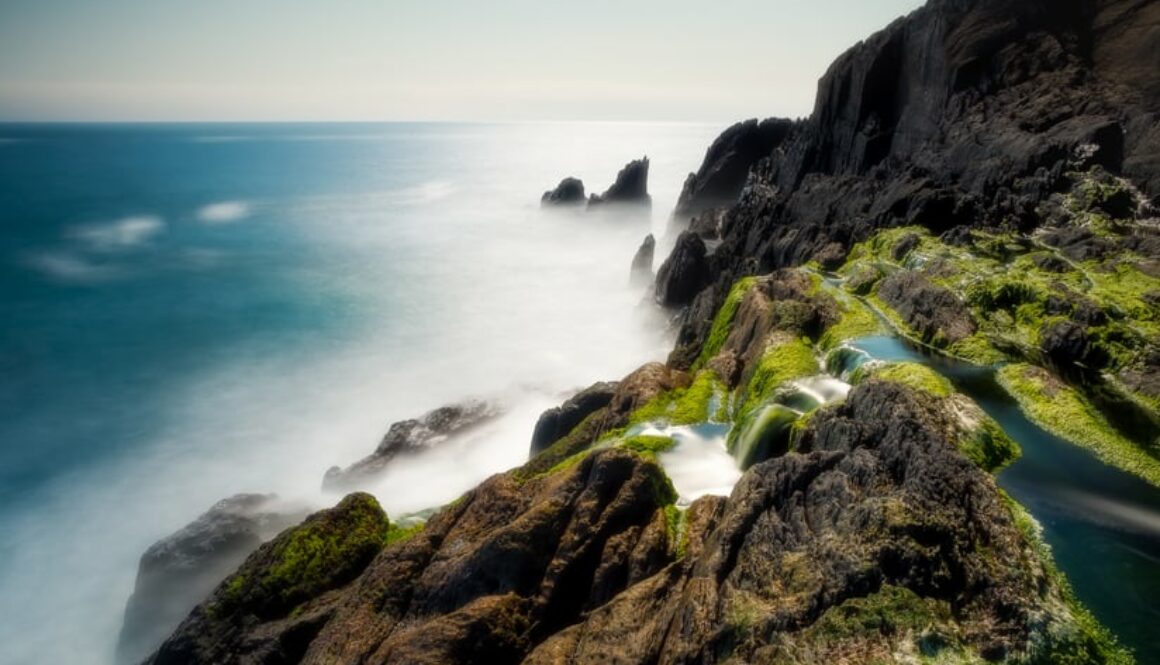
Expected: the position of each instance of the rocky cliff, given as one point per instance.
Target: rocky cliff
(1018, 143)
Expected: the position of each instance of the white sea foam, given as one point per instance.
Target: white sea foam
(71, 267)
(121, 234)
(224, 212)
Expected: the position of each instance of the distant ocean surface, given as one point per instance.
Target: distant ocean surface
(191, 311)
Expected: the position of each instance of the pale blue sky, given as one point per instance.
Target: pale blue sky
(423, 59)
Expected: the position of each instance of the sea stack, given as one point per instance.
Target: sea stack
(569, 192)
(641, 272)
(631, 186)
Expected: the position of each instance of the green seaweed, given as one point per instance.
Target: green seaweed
(324, 551)
(681, 406)
(648, 445)
(723, 321)
(989, 447)
(856, 321)
(791, 359)
(1065, 412)
(914, 375)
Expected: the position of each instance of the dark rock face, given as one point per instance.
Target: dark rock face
(325, 552)
(180, 570)
(966, 113)
(570, 191)
(630, 393)
(411, 436)
(1066, 344)
(578, 566)
(509, 564)
(631, 186)
(935, 312)
(684, 273)
(559, 421)
(726, 165)
(641, 272)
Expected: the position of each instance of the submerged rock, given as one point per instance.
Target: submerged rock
(570, 191)
(684, 273)
(179, 571)
(631, 186)
(411, 436)
(641, 272)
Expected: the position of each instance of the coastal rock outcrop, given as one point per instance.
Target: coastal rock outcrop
(325, 552)
(725, 169)
(411, 436)
(878, 524)
(570, 191)
(179, 571)
(966, 113)
(641, 272)
(630, 187)
(933, 311)
(684, 273)
(556, 422)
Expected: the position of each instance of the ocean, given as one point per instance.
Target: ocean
(188, 311)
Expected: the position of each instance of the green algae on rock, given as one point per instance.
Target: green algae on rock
(1065, 412)
(328, 549)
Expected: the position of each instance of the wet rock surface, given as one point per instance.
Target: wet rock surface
(408, 437)
(558, 421)
(684, 273)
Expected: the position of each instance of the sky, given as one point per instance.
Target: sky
(502, 60)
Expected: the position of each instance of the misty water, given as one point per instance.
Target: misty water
(192, 311)
(1103, 524)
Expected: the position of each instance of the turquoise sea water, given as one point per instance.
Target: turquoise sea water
(190, 311)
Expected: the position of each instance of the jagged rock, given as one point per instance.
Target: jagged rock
(631, 186)
(726, 165)
(684, 273)
(631, 393)
(570, 191)
(179, 571)
(707, 223)
(931, 310)
(963, 114)
(641, 272)
(1050, 263)
(325, 552)
(1066, 344)
(904, 246)
(580, 565)
(511, 563)
(558, 421)
(411, 436)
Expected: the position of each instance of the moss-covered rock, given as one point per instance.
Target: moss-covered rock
(326, 551)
